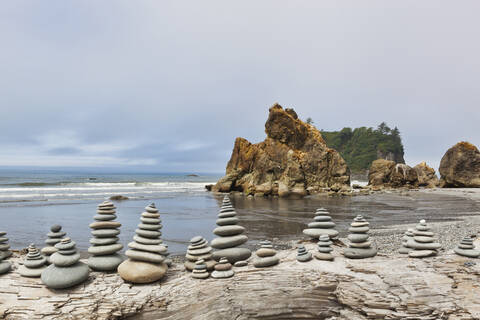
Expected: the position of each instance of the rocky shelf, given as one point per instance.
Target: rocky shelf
(384, 287)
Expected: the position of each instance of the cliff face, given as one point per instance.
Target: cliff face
(292, 160)
(460, 166)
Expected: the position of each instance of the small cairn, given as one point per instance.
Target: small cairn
(5, 252)
(34, 263)
(223, 270)
(229, 235)
(54, 236)
(146, 255)
(359, 247)
(266, 255)
(423, 242)
(303, 255)
(407, 236)
(200, 270)
(466, 248)
(105, 241)
(199, 249)
(324, 249)
(322, 224)
(66, 270)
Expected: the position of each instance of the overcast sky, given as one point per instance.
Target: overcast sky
(168, 85)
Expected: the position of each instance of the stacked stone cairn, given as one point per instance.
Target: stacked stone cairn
(303, 255)
(266, 255)
(5, 252)
(146, 255)
(360, 246)
(200, 270)
(423, 242)
(407, 236)
(466, 248)
(229, 235)
(34, 263)
(105, 241)
(66, 270)
(223, 270)
(54, 236)
(322, 224)
(324, 249)
(199, 249)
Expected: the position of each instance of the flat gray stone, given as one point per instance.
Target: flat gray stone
(322, 224)
(105, 249)
(61, 260)
(304, 257)
(144, 256)
(321, 218)
(35, 263)
(357, 253)
(227, 221)
(65, 277)
(266, 262)
(154, 248)
(421, 253)
(358, 229)
(232, 254)
(148, 233)
(231, 230)
(423, 246)
(323, 256)
(104, 241)
(105, 263)
(5, 266)
(31, 272)
(144, 240)
(222, 274)
(423, 239)
(467, 252)
(316, 233)
(357, 237)
(241, 263)
(229, 242)
(105, 233)
(153, 227)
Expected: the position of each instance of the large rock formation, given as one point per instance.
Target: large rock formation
(386, 173)
(460, 166)
(292, 160)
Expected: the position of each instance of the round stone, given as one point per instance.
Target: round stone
(467, 252)
(141, 272)
(358, 253)
(200, 275)
(4, 247)
(466, 246)
(148, 233)
(423, 246)
(104, 217)
(35, 263)
(232, 254)
(423, 239)
(48, 250)
(145, 256)
(65, 245)
(316, 233)
(56, 228)
(423, 233)
(222, 274)
(197, 239)
(105, 225)
(103, 241)
(190, 265)
(324, 224)
(265, 252)
(358, 237)
(24, 271)
(323, 256)
(365, 244)
(359, 224)
(229, 242)
(230, 230)
(152, 227)
(150, 220)
(200, 251)
(105, 263)
(226, 221)
(266, 262)
(404, 250)
(61, 260)
(325, 249)
(60, 278)
(322, 218)
(358, 229)
(56, 234)
(5, 266)
(105, 249)
(53, 241)
(144, 240)
(155, 248)
(304, 257)
(227, 214)
(105, 233)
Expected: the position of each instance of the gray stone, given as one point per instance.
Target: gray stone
(65, 277)
(31, 272)
(145, 256)
(357, 253)
(226, 221)
(232, 254)
(357, 237)
(322, 218)
(105, 263)
(323, 256)
(423, 246)
(230, 230)
(103, 241)
(148, 233)
(423, 239)
(103, 250)
(144, 240)
(316, 233)
(421, 253)
(467, 252)
(152, 227)
(241, 263)
(228, 242)
(265, 262)
(105, 233)
(358, 229)
(61, 260)
(5, 266)
(155, 248)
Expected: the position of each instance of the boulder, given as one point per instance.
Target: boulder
(460, 166)
(386, 173)
(426, 175)
(292, 159)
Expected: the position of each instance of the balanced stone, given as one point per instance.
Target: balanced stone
(66, 270)
(54, 236)
(361, 247)
(104, 256)
(241, 263)
(230, 235)
(223, 269)
(199, 249)
(267, 256)
(322, 224)
(422, 243)
(5, 252)
(324, 248)
(407, 236)
(200, 270)
(303, 255)
(466, 248)
(146, 259)
(34, 263)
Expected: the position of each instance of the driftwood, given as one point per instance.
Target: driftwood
(442, 287)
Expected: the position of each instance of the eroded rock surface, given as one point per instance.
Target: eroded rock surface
(460, 166)
(386, 173)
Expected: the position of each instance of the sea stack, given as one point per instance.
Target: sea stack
(34, 263)
(407, 236)
(303, 255)
(5, 252)
(322, 224)
(324, 249)
(223, 270)
(200, 270)
(146, 261)
(266, 255)
(54, 236)
(229, 235)
(105, 241)
(360, 246)
(66, 270)
(423, 242)
(466, 248)
(199, 249)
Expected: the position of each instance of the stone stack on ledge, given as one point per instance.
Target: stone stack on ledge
(54, 236)
(5, 252)
(34, 263)
(303, 255)
(200, 270)
(423, 242)
(199, 249)
(360, 247)
(407, 237)
(266, 255)
(322, 224)
(324, 249)
(223, 270)
(466, 248)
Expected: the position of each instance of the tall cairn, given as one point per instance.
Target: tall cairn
(229, 235)
(360, 246)
(54, 236)
(34, 263)
(5, 252)
(146, 256)
(66, 269)
(322, 225)
(466, 248)
(423, 242)
(105, 241)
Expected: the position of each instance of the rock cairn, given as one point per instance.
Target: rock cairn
(5, 252)
(223, 269)
(200, 270)
(105, 241)
(199, 249)
(303, 255)
(34, 263)
(360, 246)
(146, 255)
(423, 242)
(466, 248)
(54, 236)
(66, 270)
(229, 235)
(406, 237)
(266, 255)
(322, 224)
(324, 249)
